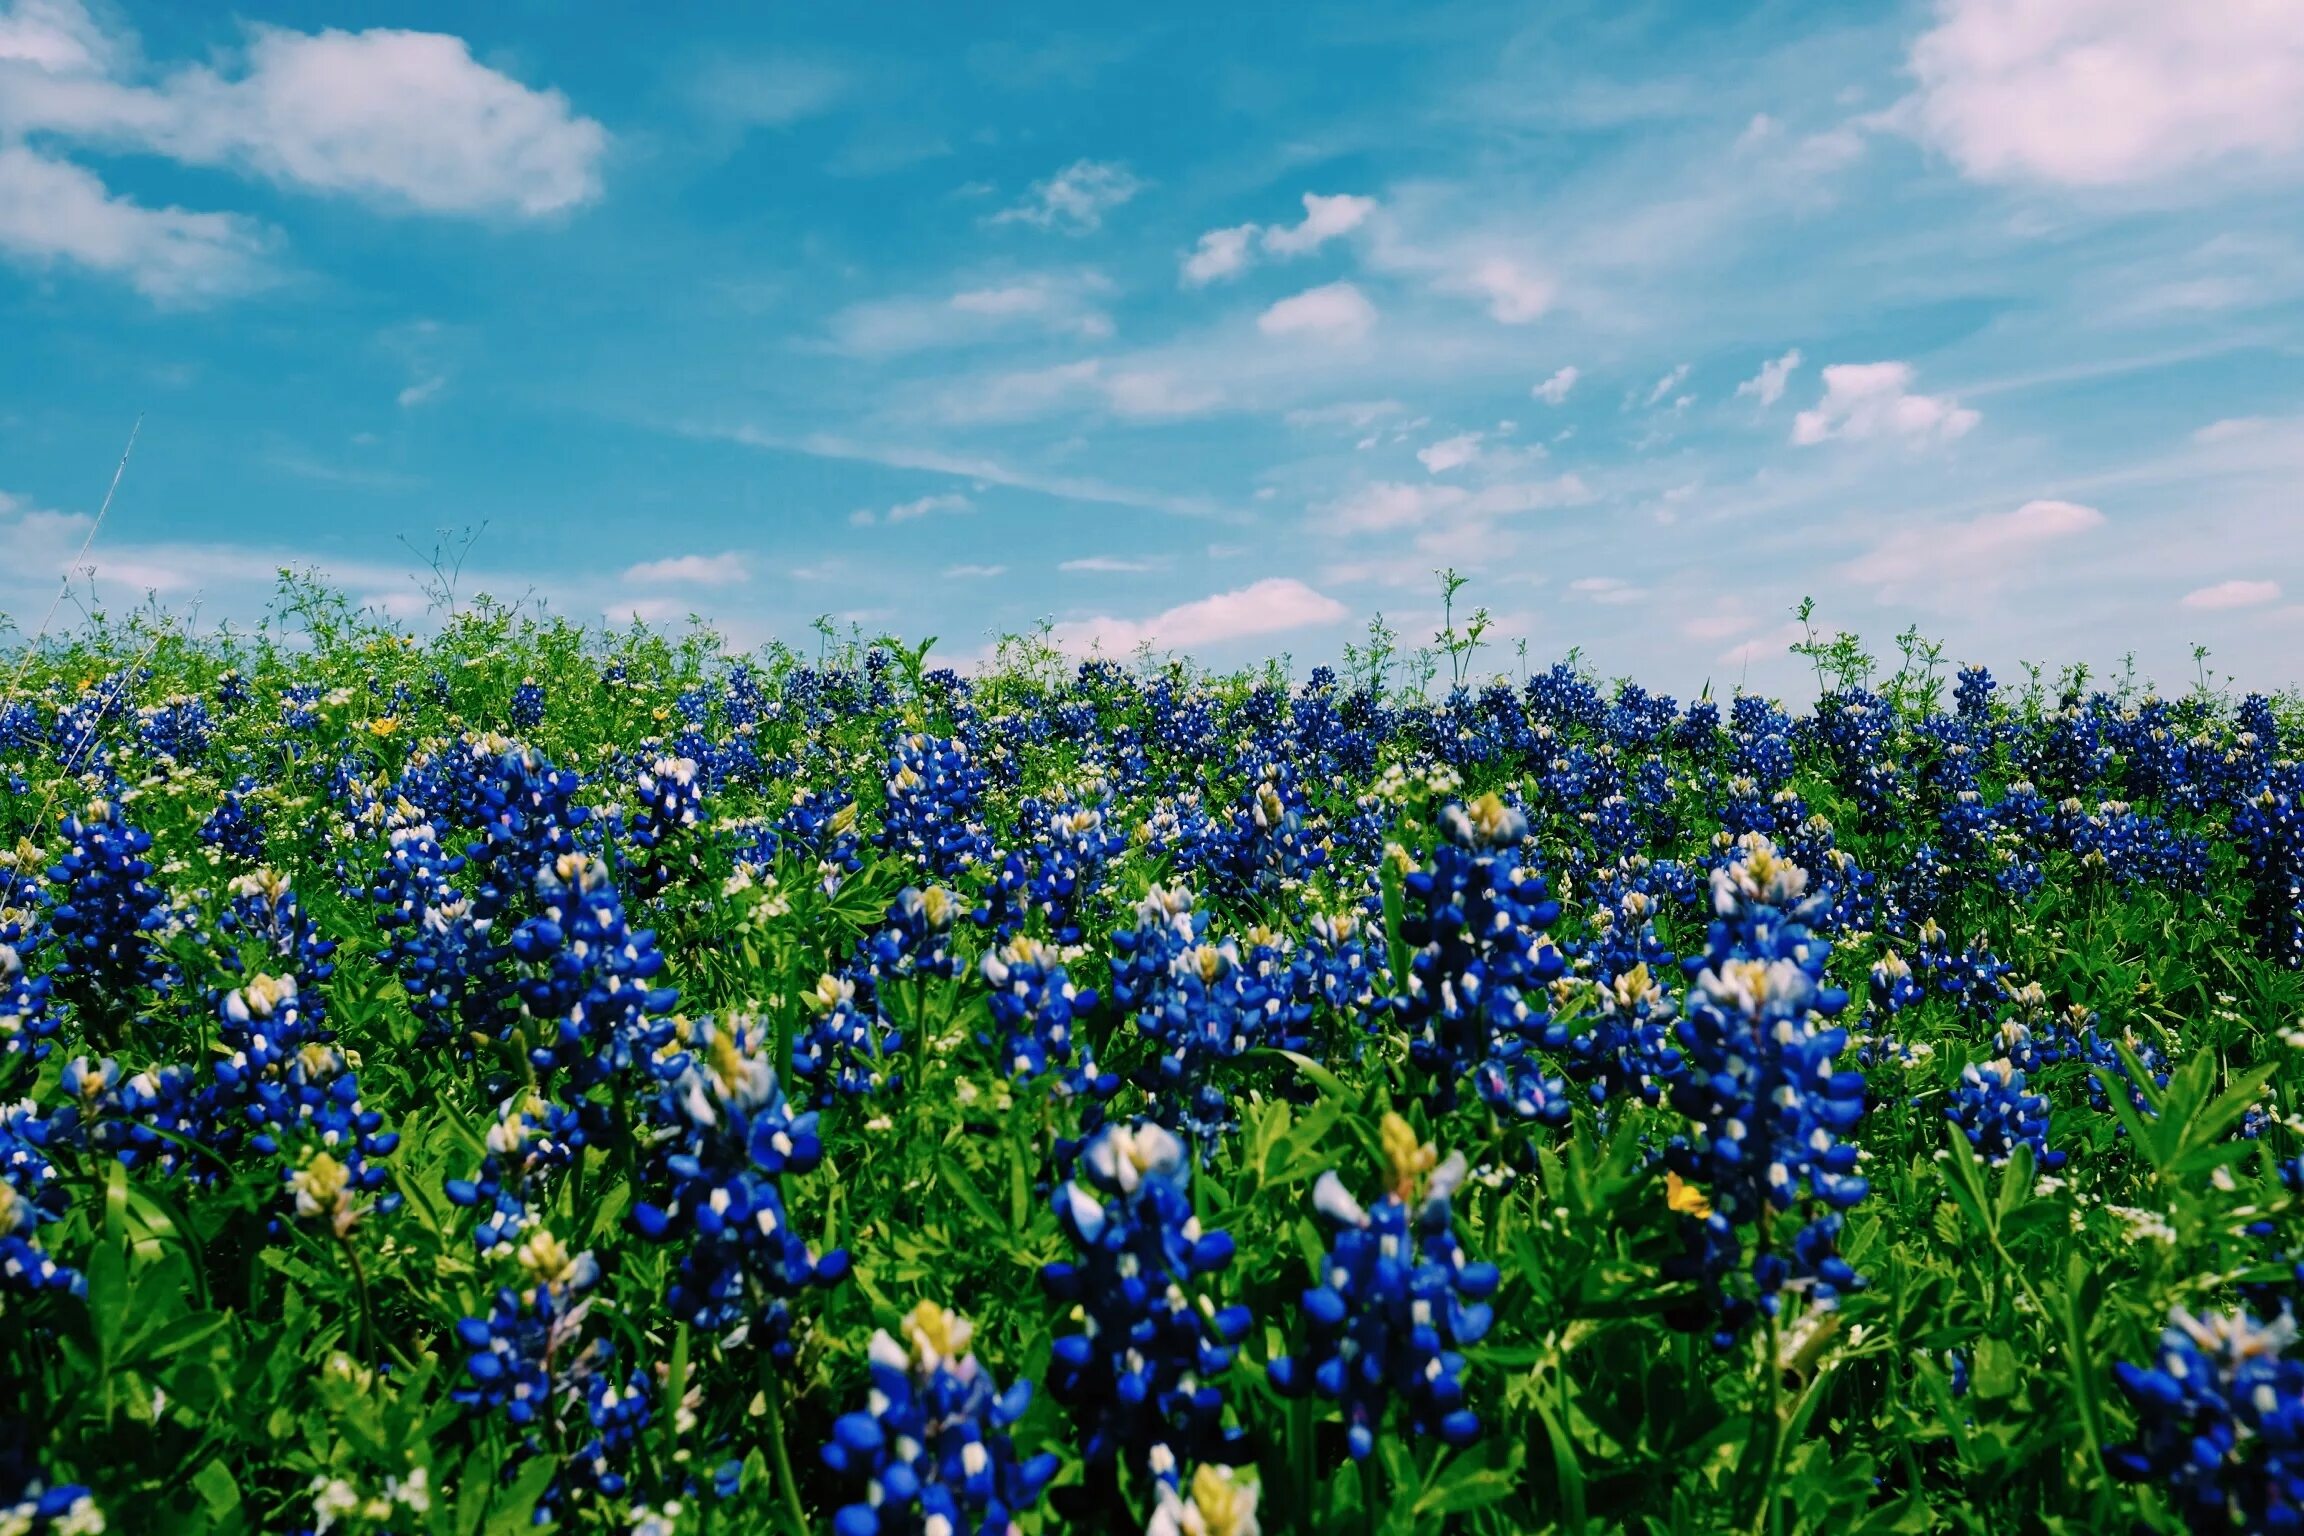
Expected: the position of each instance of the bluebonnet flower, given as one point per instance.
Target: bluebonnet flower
(1972, 695)
(1053, 876)
(1996, 1113)
(300, 707)
(30, 1196)
(439, 942)
(1033, 1003)
(1201, 1005)
(913, 942)
(1758, 1082)
(933, 1454)
(20, 729)
(103, 913)
(526, 711)
(231, 829)
(847, 1048)
(263, 908)
(27, 1024)
(726, 1138)
(1217, 1502)
(148, 1117)
(532, 1139)
(2220, 1422)
(1626, 1051)
(934, 810)
(1971, 977)
(823, 826)
(1140, 1376)
(232, 691)
(38, 1508)
(671, 802)
(614, 1414)
(1858, 729)
(593, 989)
(1476, 986)
(178, 728)
(2269, 829)
(1397, 1301)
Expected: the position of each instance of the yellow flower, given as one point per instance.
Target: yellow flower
(1408, 1158)
(383, 725)
(937, 1337)
(1685, 1197)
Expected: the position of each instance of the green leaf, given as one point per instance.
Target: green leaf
(218, 1492)
(956, 1180)
(516, 1510)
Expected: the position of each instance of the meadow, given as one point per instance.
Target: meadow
(521, 1076)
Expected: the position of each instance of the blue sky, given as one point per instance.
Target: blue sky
(1214, 327)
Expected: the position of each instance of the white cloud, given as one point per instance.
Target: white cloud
(1325, 218)
(1980, 554)
(912, 511)
(1141, 394)
(2231, 428)
(1225, 253)
(1335, 311)
(1385, 505)
(1450, 453)
(767, 93)
(1555, 389)
(1515, 295)
(726, 569)
(1109, 563)
(1767, 647)
(973, 572)
(1272, 606)
(1668, 383)
(1060, 304)
(1221, 253)
(1767, 386)
(56, 36)
(2097, 93)
(422, 390)
(645, 610)
(1863, 400)
(54, 211)
(410, 119)
(1359, 415)
(1076, 198)
(1607, 589)
(2234, 594)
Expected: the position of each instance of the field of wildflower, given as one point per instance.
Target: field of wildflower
(527, 1077)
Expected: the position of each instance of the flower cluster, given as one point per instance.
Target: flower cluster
(1140, 1375)
(103, 912)
(1476, 984)
(1397, 1302)
(1769, 1111)
(932, 1454)
(1200, 1004)
(729, 1137)
(2220, 1422)
(1995, 1112)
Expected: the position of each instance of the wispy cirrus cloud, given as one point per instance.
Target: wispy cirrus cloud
(1982, 554)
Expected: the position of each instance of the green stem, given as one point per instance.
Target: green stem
(772, 1393)
(367, 1306)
